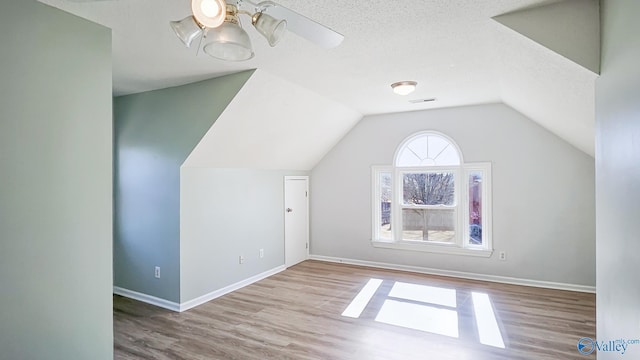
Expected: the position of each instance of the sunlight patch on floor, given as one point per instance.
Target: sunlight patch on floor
(360, 302)
(488, 330)
(425, 294)
(429, 308)
(419, 317)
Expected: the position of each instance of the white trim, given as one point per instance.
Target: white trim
(460, 208)
(398, 174)
(227, 289)
(460, 274)
(376, 170)
(296, 177)
(487, 209)
(437, 248)
(199, 300)
(462, 244)
(149, 299)
(418, 134)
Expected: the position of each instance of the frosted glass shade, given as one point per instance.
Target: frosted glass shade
(404, 87)
(271, 28)
(229, 42)
(186, 30)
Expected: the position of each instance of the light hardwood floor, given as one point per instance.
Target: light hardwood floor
(296, 314)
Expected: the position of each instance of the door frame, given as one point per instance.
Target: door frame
(307, 234)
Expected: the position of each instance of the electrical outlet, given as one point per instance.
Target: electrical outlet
(241, 259)
(503, 255)
(157, 272)
(261, 253)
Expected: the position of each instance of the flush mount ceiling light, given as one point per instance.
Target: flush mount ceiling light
(404, 87)
(218, 24)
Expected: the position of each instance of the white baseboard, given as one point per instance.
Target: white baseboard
(199, 300)
(227, 289)
(460, 274)
(170, 305)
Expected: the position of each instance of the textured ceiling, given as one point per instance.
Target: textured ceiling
(453, 48)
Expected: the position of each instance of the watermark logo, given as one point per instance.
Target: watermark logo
(587, 345)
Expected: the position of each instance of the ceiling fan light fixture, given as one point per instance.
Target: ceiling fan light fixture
(186, 30)
(229, 42)
(217, 21)
(404, 87)
(210, 13)
(271, 28)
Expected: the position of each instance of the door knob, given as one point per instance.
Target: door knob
(289, 209)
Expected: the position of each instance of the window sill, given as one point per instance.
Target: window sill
(451, 249)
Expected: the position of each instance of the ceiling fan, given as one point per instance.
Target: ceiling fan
(217, 22)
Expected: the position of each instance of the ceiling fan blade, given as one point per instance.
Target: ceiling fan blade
(303, 26)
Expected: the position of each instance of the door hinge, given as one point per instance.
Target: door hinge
(306, 194)
(307, 245)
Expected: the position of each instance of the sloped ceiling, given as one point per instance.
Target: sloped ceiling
(577, 40)
(453, 48)
(273, 124)
(535, 80)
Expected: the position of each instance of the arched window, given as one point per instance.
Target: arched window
(428, 149)
(430, 200)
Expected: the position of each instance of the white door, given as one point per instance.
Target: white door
(296, 219)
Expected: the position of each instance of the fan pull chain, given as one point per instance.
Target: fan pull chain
(204, 35)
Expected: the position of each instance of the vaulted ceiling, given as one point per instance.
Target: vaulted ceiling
(454, 49)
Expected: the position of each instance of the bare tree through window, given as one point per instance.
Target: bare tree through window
(429, 189)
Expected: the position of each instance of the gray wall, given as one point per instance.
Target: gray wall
(55, 185)
(154, 133)
(543, 194)
(226, 213)
(618, 176)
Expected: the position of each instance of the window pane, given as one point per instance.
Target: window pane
(448, 156)
(408, 158)
(384, 232)
(433, 188)
(436, 145)
(428, 150)
(475, 208)
(429, 224)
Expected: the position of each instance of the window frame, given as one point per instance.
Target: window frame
(397, 198)
(485, 169)
(376, 196)
(461, 244)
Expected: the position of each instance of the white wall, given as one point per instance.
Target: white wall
(155, 131)
(232, 183)
(273, 124)
(55, 185)
(227, 198)
(543, 194)
(618, 177)
(226, 213)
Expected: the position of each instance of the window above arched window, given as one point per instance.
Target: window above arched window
(427, 149)
(430, 200)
